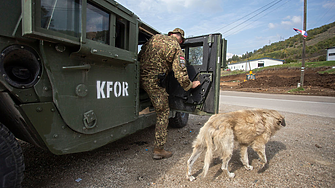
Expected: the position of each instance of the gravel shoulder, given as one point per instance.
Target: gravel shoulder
(299, 155)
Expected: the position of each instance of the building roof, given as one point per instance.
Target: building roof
(257, 60)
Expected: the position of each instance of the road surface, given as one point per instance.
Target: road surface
(300, 104)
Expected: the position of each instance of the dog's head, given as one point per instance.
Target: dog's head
(279, 120)
(276, 119)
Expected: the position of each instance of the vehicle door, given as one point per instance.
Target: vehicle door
(89, 53)
(205, 55)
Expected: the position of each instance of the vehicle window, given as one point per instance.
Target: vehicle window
(122, 33)
(61, 15)
(97, 24)
(195, 55)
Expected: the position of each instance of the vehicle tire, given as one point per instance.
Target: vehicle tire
(11, 159)
(179, 121)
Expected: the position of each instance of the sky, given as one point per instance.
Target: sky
(247, 25)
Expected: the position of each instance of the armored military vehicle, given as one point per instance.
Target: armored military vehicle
(69, 78)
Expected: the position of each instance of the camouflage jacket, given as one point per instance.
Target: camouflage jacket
(161, 54)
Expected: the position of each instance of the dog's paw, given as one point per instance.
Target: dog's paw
(265, 165)
(249, 167)
(231, 175)
(191, 178)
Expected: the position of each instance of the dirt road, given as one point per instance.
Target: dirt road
(300, 155)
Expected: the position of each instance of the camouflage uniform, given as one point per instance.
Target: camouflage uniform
(161, 54)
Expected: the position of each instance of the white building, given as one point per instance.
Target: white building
(331, 54)
(255, 63)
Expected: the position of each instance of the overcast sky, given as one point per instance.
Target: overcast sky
(247, 25)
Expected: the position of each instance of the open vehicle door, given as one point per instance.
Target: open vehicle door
(205, 55)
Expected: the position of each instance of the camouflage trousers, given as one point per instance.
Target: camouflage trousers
(160, 100)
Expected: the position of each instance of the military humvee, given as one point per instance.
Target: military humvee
(69, 78)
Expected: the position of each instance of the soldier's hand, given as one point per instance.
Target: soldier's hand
(195, 84)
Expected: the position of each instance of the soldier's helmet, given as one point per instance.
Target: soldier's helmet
(180, 31)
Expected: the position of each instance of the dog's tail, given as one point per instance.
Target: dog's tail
(208, 138)
(200, 141)
(205, 139)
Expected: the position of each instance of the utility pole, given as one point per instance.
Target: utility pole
(247, 62)
(303, 48)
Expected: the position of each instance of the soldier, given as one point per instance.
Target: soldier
(159, 56)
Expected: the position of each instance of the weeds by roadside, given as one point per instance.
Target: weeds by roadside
(296, 90)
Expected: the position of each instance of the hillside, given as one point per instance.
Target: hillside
(291, 49)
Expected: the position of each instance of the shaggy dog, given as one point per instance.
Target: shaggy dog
(248, 127)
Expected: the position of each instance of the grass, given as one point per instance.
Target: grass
(320, 64)
(296, 90)
(229, 73)
(307, 65)
(329, 71)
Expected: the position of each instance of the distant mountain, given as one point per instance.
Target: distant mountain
(290, 50)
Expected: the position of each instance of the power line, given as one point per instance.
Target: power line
(331, 19)
(253, 16)
(325, 13)
(244, 16)
(252, 22)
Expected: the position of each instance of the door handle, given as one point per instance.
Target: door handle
(79, 67)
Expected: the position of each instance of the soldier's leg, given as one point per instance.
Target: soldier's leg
(160, 102)
(159, 99)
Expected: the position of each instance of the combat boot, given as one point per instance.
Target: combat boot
(161, 153)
